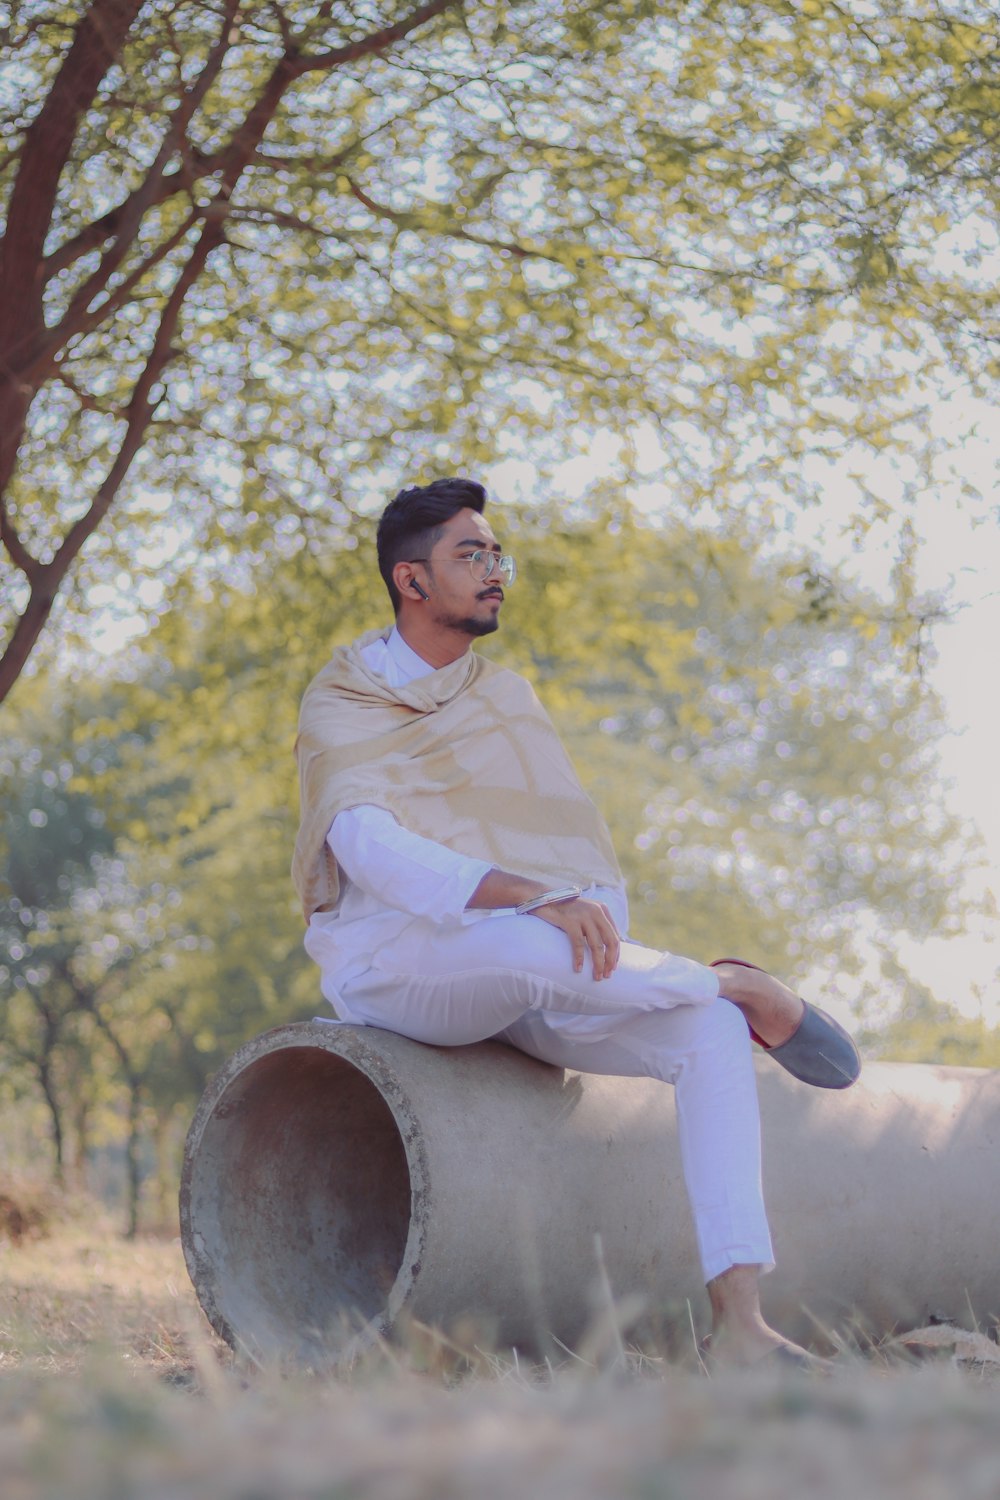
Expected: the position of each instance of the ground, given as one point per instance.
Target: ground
(112, 1385)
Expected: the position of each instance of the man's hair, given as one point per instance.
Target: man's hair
(411, 523)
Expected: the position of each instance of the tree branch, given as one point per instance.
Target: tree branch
(47, 145)
(46, 149)
(48, 577)
(86, 322)
(195, 166)
(137, 204)
(86, 400)
(16, 550)
(376, 41)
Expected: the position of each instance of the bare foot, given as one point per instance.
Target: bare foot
(730, 1350)
(784, 1355)
(773, 1011)
(740, 1338)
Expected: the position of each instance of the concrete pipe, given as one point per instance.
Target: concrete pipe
(340, 1180)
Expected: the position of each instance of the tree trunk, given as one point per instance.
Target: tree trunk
(133, 1165)
(51, 1097)
(166, 1145)
(79, 1170)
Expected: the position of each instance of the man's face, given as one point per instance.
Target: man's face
(457, 600)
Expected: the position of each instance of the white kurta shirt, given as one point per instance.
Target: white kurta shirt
(392, 878)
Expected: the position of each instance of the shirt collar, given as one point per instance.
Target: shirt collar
(405, 659)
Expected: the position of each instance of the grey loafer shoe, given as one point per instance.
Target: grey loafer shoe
(819, 1052)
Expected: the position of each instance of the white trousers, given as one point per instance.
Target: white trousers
(658, 1016)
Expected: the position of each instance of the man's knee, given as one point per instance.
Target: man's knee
(724, 1025)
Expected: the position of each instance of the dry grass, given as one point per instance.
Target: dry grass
(84, 1290)
(110, 1386)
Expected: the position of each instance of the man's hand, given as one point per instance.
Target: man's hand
(590, 927)
(588, 924)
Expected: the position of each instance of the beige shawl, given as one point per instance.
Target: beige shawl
(466, 756)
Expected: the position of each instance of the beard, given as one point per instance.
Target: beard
(474, 625)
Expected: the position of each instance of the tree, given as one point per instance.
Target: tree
(85, 1017)
(927, 1030)
(51, 840)
(258, 257)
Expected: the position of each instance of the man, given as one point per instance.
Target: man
(459, 884)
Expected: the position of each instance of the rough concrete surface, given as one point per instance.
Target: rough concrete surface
(340, 1181)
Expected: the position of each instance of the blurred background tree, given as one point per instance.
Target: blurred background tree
(53, 842)
(927, 1030)
(259, 260)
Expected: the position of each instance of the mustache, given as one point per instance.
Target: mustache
(493, 593)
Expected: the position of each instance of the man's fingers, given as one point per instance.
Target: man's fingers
(585, 941)
(611, 953)
(613, 946)
(605, 945)
(590, 929)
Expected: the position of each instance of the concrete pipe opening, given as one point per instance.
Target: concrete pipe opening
(296, 1204)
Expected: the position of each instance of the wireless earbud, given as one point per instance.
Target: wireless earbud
(425, 597)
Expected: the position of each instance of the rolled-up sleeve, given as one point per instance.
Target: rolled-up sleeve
(402, 869)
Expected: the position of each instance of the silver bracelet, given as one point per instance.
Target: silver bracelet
(549, 898)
